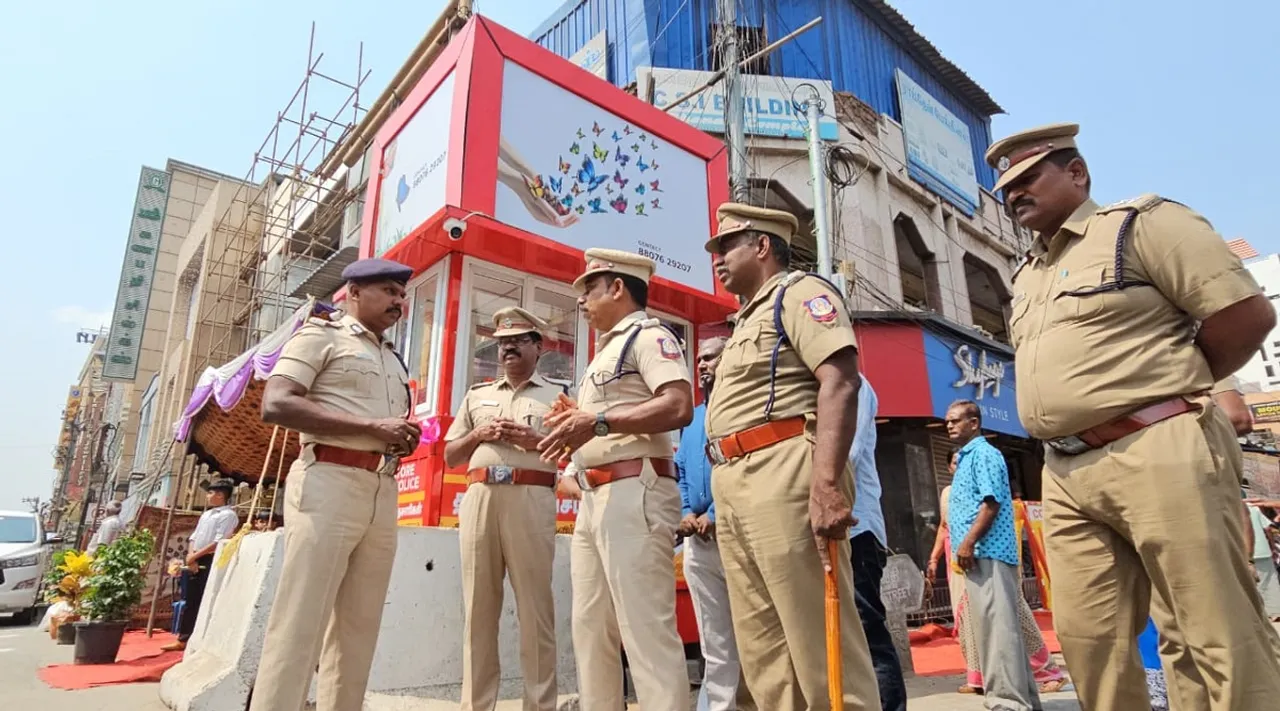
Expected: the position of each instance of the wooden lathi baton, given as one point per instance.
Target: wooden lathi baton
(835, 662)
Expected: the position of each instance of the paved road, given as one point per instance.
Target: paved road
(23, 650)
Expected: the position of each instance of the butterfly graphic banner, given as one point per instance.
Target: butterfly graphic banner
(577, 174)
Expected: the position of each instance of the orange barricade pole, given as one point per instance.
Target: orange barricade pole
(835, 664)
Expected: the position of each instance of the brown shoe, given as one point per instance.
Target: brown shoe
(967, 689)
(177, 646)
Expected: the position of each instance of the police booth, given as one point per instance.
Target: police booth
(490, 180)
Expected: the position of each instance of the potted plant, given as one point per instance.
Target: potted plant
(112, 591)
(65, 582)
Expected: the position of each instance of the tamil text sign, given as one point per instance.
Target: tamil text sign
(134, 292)
(769, 107)
(939, 149)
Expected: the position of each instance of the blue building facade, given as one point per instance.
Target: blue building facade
(858, 47)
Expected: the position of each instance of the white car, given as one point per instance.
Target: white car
(23, 557)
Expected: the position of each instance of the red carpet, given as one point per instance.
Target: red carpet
(140, 659)
(934, 652)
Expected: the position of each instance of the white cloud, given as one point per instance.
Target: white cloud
(80, 317)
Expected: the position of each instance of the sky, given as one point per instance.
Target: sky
(1172, 98)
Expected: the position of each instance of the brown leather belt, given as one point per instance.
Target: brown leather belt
(1121, 427)
(626, 469)
(506, 475)
(754, 439)
(329, 454)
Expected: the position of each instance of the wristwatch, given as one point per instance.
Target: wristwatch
(602, 427)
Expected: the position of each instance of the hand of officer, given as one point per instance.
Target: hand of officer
(705, 527)
(490, 431)
(964, 555)
(830, 516)
(522, 436)
(688, 525)
(397, 431)
(570, 429)
(568, 488)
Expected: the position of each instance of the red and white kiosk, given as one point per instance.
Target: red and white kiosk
(500, 168)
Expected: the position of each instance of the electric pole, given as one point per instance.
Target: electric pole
(813, 106)
(734, 109)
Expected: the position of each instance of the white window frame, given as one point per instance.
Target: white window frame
(430, 381)
(462, 355)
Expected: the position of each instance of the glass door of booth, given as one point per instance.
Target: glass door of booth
(487, 288)
(419, 336)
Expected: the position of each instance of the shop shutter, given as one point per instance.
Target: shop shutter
(941, 445)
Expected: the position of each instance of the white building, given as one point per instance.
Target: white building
(1263, 370)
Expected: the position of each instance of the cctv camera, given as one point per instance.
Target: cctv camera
(455, 228)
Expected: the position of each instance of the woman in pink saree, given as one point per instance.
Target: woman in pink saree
(1048, 674)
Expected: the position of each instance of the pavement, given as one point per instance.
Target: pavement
(24, 649)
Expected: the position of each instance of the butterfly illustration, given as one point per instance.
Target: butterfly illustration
(575, 189)
(653, 164)
(581, 135)
(567, 201)
(654, 187)
(560, 208)
(640, 209)
(635, 147)
(620, 204)
(621, 157)
(643, 166)
(581, 209)
(557, 184)
(565, 167)
(608, 189)
(656, 206)
(621, 181)
(600, 154)
(653, 145)
(595, 128)
(594, 204)
(644, 137)
(640, 189)
(536, 186)
(616, 137)
(575, 149)
(587, 176)
(627, 129)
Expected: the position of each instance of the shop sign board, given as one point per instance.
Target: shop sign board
(410, 495)
(133, 294)
(960, 370)
(594, 56)
(414, 167)
(579, 175)
(939, 147)
(1265, 411)
(769, 109)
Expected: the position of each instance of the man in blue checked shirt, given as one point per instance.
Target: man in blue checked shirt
(722, 689)
(980, 517)
(868, 554)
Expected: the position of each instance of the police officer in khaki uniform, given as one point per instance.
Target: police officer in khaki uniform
(507, 520)
(1123, 317)
(780, 424)
(339, 383)
(635, 392)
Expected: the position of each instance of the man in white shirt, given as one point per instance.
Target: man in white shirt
(218, 523)
(108, 530)
(868, 554)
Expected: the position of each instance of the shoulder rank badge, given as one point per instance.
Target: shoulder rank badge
(821, 309)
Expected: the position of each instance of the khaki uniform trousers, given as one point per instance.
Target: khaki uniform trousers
(1157, 513)
(775, 581)
(339, 546)
(508, 530)
(624, 594)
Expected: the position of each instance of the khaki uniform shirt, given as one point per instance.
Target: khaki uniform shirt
(525, 405)
(346, 368)
(1226, 385)
(1087, 359)
(654, 360)
(817, 324)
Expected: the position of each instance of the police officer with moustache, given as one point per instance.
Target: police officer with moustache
(780, 423)
(340, 383)
(507, 521)
(1123, 317)
(635, 392)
